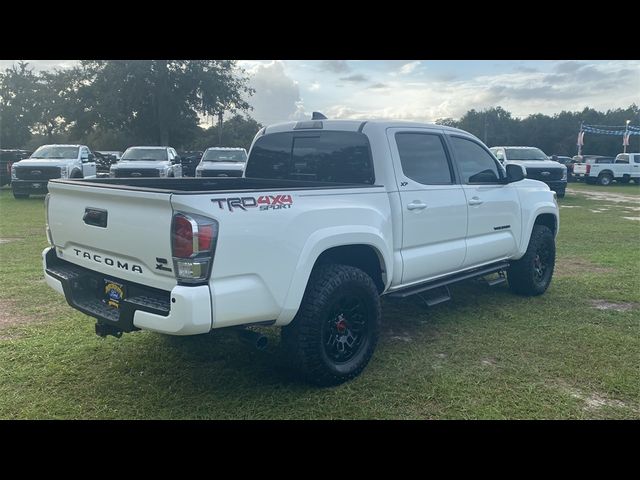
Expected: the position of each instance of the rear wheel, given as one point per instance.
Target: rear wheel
(605, 179)
(625, 179)
(335, 331)
(637, 180)
(531, 275)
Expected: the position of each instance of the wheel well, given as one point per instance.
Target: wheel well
(364, 257)
(606, 171)
(548, 220)
(75, 173)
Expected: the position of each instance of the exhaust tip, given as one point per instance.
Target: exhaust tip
(254, 339)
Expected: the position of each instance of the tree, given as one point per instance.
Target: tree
(162, 101)
(238, 131)
(18, 105)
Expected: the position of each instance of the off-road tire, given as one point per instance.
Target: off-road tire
(560, 194)
(605, 179)
(20, 196)
(637, 181)
(625, 179)
(524, 274)
(304, 338)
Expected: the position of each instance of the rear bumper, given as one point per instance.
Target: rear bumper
(182, 311)
(30, 186)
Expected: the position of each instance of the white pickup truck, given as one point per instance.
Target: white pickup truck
(31, 175)
(329, 215)
(624, 168)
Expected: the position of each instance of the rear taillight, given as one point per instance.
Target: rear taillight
(588, 168)
(193, 244)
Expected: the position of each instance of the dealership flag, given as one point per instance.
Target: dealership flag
(581, 138)
(625, 140)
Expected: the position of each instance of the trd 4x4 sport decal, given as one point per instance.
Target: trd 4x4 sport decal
(263, 202)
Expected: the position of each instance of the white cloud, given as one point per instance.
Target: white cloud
(409, 67)
(314, 87)
(277, 96)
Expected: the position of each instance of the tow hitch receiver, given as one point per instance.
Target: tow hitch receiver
(103, 330)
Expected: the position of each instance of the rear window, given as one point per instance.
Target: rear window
(327, 156)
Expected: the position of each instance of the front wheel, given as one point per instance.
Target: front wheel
(637, 181)
(336, 329)
(531, 275)
(625, 179)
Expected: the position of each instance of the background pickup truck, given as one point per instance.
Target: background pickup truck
(31, 175)
(624, 168)
(330, 215)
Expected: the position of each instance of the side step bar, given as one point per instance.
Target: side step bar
(458, 277)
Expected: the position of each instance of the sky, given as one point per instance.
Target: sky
(426, 90)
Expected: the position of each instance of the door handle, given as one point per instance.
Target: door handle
(475, 201)
(416, 206)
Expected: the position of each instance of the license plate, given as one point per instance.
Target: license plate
(36, 185)
(114, 293)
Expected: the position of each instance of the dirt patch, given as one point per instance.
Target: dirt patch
(631, 218)
(571, 266)
(595, 401)
(489, 362)
(617, 307)
(570, 206)
(608, 196)
(8, 240)
(9, 316)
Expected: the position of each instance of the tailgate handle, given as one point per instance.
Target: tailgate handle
(95, 216)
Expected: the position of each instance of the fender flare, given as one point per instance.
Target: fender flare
(321, 241)
(528, 228)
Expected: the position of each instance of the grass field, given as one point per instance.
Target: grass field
(571, 353)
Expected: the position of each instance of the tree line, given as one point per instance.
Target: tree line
(555, 135)
(112, 104)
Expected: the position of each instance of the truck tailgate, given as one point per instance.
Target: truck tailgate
(580, 168)
(135, 243)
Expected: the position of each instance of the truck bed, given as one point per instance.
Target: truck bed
(203, 185)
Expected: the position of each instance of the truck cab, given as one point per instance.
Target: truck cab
(539, 166)
(145, 162)
(31, 176)
(222, 162)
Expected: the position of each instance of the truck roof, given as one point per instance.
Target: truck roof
(225, 148)
(61, 145)
(355, 125)
(513, 146)
(149, 146)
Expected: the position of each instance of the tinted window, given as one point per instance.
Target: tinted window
(423, 158)
(476, 164)
(341, 157)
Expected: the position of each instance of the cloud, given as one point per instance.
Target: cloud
(378, 86)
(314, 87)
(409, 67)
(335, 66)
(277, 96)
(356, 77)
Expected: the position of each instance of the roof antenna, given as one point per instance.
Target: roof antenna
(318, 116)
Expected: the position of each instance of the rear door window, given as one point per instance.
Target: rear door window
(423, 158)
(326, 156)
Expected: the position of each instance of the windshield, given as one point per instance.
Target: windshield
(525, 154)
(224, 156)
(50, 151)
(149, 154)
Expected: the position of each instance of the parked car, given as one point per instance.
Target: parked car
(222, 162)
(31, 175)
(7, 158)
(329, 215)
(189, 161)
(538, 166)
(568, 162)
(604, 170)
(145, 162)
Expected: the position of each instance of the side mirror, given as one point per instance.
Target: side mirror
(515, 172)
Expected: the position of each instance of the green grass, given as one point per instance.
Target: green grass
(485, 354)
